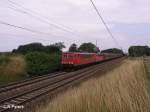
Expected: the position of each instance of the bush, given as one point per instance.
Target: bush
(12, 68)
(39, 63)
(4, 59)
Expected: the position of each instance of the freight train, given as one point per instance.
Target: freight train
(78, 59)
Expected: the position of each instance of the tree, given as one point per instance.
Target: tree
(88, 47)
(23, 49)
(38, 47)
(52, 49)
(60, 45)
(112, 50)
(147, 49)
(136, 51)
(73, 48)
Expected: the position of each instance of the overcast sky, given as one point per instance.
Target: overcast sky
(129, 21)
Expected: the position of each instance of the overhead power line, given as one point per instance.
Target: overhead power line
(103, 21)
(15, 35)
(23, 28)
(40, 18)
(26, 29)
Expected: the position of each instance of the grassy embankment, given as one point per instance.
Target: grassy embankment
(121, 90)
(12, 68)
(147, 71)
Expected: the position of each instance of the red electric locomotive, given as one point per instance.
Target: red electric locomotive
(73, 59)
(76, 59)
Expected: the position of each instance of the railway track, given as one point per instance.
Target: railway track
(18, 94)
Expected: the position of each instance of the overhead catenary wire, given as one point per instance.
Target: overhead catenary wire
(34, 16)
(24, 28)
(15, 35)
(41, 18)
(103, 21)
(30, 14)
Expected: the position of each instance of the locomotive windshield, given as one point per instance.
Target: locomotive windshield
(68, 55)
(65, 55)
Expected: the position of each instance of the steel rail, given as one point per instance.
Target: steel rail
(28, 81)
(54, 84)
(51, 81)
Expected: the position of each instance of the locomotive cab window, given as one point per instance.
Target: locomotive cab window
(70, 55)
(65, 55)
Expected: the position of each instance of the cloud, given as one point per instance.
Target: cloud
(128, 20)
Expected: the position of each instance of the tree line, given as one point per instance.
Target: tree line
(57, 48)
(90, 47)
(43, 59)
(137, 51)
(38, 47)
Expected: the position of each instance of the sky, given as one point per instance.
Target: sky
(74, 21)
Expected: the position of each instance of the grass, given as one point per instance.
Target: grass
(146, 63)
(12, 68)
(120, 90)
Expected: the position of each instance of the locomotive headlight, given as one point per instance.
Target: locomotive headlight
(70, 62)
